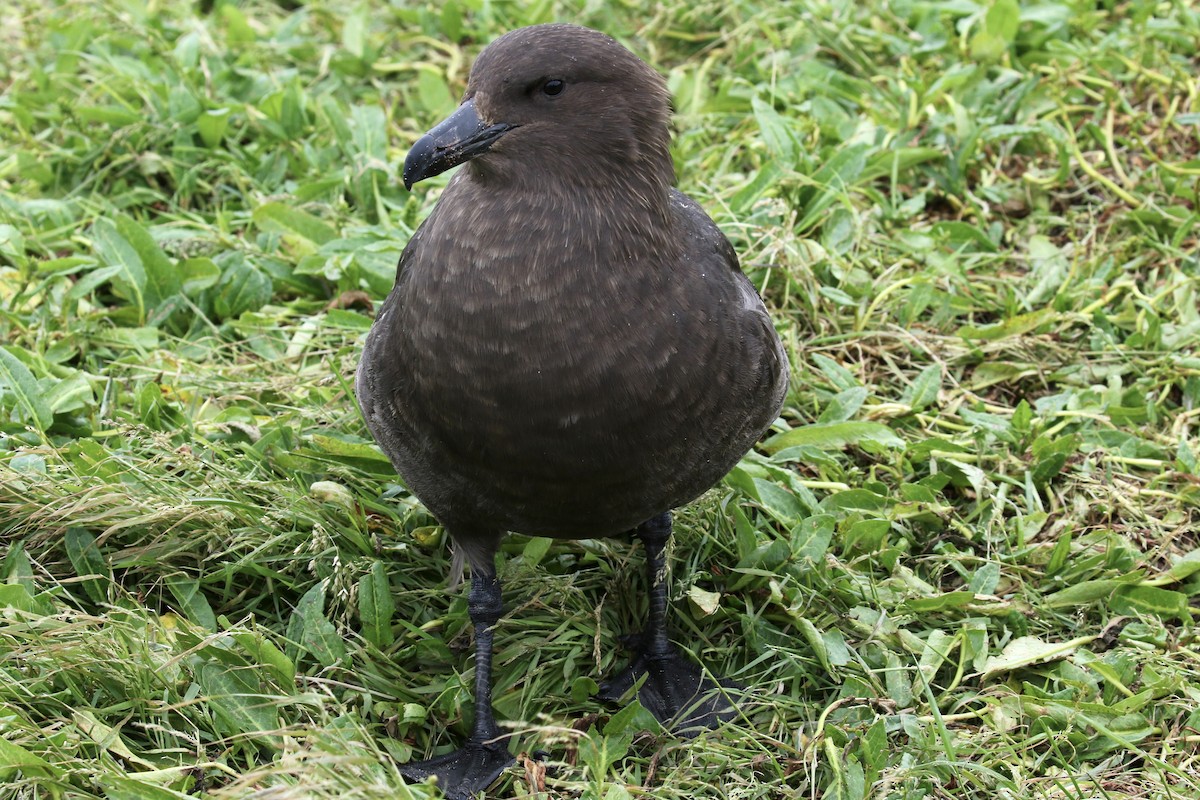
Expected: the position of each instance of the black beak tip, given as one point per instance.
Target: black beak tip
(456, 139)
(421, 163)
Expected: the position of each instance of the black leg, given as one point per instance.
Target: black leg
(675, 690)
(477, 765)
(654, 535)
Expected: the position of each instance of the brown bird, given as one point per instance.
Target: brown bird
(570, 348)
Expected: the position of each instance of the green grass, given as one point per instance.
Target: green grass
(965, 563)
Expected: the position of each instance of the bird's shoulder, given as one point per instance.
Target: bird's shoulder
(701, 235)
(408, 254)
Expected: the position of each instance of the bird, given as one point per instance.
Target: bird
(570, 348)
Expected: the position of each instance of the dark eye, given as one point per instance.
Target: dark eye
(553, 87)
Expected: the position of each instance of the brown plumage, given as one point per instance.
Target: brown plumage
(570, 349)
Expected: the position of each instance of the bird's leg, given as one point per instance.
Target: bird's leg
(675, 690)
(477, 765)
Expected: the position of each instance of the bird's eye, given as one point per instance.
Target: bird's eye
(553, 87)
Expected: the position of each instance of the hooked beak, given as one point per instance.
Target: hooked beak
(458, 138)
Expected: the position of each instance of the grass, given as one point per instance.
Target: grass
(964, 564)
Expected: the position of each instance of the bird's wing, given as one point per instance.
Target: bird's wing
(708, 245)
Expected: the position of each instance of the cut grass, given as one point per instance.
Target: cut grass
(964, 563)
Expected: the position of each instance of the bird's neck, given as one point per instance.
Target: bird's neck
(612, 224)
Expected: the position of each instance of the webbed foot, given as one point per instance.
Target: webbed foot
(676, 690)
(461, 775)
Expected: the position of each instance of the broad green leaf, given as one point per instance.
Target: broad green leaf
(71, 394)
(192, 602)
(212, 125)
(106, 736)
(633, 718)
(1022, 417)
(874, 747)
(18, 596)
(924, 388)
(898, 161)
(815, 640)
(142, 785)
(835, 176)
(182, 105)
(938, 647)
(236, 695)
(986, 578)
(535, 550)
(116, 116)
(582, 688)
(354, 34)
(854, 499)
(778, 502)
(18, 382)
(1184, 566)
(309, 630)
(146, 275)
(198, 274)
(838, 375)
(999, 31)
(836, 647)
(704, 601)
(973, 474)
(370, 136)
(92, 279)
(990, 373)
(290, 221)
(599, 752)
(293, 117)
(12, 244)
(1003, 20)
(1060, 553)
(1149, 600)
(777, 133)
(962, 234)
(89, 564)
(262, 651)
(376, 606)
(332, 492)
(241, 288)
(836, 435)
(844, 405)
(1014, 326)
(761, 562)
(941, 602)
(434, 93)
(14, 757)
(765, 178)
(17, 568)
(1050, 456)
(237, 29)
(340, 447)
(1029, 650)
(897, 681)
(811, 538)
(866, 535)
(1082, 593)
(143, 338)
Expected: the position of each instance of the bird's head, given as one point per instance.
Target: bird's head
(561, 101)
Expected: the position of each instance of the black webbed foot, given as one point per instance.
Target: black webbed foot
(676, 690)
(461, 775)
(474, 767)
